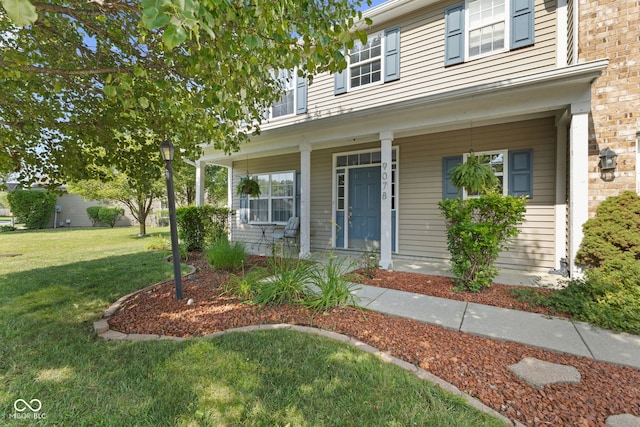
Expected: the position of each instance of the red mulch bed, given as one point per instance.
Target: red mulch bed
(476, 365)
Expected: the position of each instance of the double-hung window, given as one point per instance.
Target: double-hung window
(365, 62)
(286, 104)
(293, 99)
(376, 62)
(513, 168)
(477, 28)
(487, 24)
(277, 199)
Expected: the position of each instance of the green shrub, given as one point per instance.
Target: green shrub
(287, 283)
(245, 285)
(158, 243)
(334, 284)
(608, 296)
(369, 263)
(199, 226)
(94, 214)
(613, 233)
(7, 228)
(478, 229)
(31, 207)
(110, 215)
(227, 256)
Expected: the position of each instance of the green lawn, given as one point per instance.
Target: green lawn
(52, 293)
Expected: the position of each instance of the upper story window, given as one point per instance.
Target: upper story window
(481, 27)
(486, 26)
(294, 95)
(376, 62)
(287, 103)
(365, 62)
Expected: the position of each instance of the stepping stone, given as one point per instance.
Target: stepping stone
(539, 373)
(623, 420)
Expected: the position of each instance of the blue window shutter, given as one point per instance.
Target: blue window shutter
(521, 173)
(449, 191)
(454, 35)
(340, 82)
(392, 54)
(522, 23)
(301, 95)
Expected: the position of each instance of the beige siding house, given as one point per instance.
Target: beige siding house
(362, 157)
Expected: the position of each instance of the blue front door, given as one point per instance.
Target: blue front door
(364, 208)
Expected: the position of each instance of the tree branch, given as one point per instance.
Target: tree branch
(61, 72)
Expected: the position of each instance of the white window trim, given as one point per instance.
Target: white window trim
(334, 192)
(270, 198)
(468, 29)
(383, 42)
(291, 85)
(505, 170)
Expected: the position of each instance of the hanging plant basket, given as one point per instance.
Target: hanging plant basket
(249, 186)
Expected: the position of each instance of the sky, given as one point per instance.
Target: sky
(373, 4)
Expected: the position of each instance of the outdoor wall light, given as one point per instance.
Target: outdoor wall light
(607, 159)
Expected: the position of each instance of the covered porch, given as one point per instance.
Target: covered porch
(359, 184)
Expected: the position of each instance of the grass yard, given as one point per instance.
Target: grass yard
(51, 294)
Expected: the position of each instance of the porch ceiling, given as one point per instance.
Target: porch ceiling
(537, 95)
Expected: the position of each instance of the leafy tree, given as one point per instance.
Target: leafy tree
(33, 208)
(215, 178)
(137, 195)
(103, 82)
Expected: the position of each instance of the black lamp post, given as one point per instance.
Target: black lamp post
(167, 150)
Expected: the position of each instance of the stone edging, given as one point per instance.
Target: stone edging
(102, 329)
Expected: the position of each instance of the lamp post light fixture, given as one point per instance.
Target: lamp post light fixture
(167, 149)
(607, 159)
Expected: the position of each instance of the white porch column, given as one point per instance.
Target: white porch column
(305, 200)
(578, 179)
(200, 165)
(232, 218)
(386, 138)
(562, 125)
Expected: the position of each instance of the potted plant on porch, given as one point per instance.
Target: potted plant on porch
(249, 186)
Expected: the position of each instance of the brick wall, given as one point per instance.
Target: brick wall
(611, 29)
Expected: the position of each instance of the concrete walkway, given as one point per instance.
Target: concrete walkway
(552, 333)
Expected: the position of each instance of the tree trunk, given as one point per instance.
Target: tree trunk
(143, 212)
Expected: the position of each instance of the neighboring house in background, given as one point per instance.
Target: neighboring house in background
(71, 211)
(363, 157)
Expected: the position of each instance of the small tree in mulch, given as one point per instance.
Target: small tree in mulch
(479, 228)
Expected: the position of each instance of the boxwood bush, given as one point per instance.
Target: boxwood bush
(609, 293)
(613, 233)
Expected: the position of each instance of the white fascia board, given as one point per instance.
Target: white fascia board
(393, 9)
